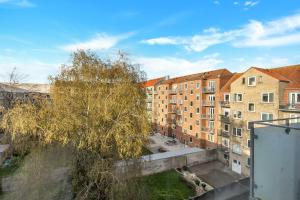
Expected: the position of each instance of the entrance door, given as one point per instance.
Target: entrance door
(236, 166)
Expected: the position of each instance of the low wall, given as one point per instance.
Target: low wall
(165, 161)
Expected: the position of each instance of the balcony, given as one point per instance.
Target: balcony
(172, 110)
(149, 100)
(289, 106)
(173, 101)
(225, 119)
(155, 92)
(205, 116)
(224, 133)
(208, 130)
(179, 112)
(173, 91)
(171, 121)
(208, 90)
(225, 104)
(180, 102)
(208, 103)
(149, 108)
(223, 148)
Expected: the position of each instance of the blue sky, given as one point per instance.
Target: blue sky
(170, 37)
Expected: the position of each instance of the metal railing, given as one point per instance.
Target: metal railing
(208, 103)
(225, 103)
(173, 101)
(289, 106)
(208, 90)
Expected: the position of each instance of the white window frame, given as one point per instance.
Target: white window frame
(226, 110)
(235, 94)
(235, 113)
(261, 115)
(268, 93)
(228, 128)
(235, 133)
(247, 126)
(197, 85)
(210, 137)
(228, 142)
(197, 97)
(297, 101)
(248, 107)
(249, 81)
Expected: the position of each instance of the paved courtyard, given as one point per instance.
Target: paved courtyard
(215, 173)
(157, 141)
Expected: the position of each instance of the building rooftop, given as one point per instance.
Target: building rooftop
(203, 75)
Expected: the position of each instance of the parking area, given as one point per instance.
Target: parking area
(215, 173)
(159, 143)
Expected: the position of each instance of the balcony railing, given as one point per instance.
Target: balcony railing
(172, 101)
(149, 100)
(172, 110)
(223, 148)
(174, 91)
(179, 112)
(207, 116)
(225, 104)
(208, 90)
(171, 121)
(289, 106)
(225, 119)
(224, 133)
(149, 108)
(207, 130)
(208, 103)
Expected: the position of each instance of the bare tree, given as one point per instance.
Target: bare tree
(9, 91)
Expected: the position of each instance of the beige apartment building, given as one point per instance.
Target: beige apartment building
(259, 94)
(187, 109)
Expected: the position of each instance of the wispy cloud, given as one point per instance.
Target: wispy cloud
(18, 3)
(156, 66)
(99, 42)
(280, 32)
(250, 3)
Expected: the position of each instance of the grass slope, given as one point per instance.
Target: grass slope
(167, 186)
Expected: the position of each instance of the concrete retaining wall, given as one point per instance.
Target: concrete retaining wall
(153, 164)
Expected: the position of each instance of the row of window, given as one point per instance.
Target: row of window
(185, 86)
(266, 97)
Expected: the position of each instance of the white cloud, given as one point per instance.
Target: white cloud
(100, 42)
(250, 3)
(162, 41)
(235, 3)
(280, 32)
(19, 3)
(158, 66)
(35, 70)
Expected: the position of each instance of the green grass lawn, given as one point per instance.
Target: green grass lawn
(167, 186)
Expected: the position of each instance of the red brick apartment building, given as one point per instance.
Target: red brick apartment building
(186, 107)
